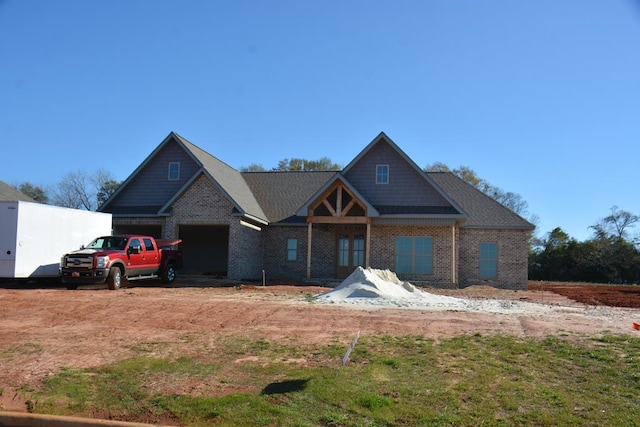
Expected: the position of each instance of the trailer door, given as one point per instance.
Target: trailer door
(8, 238)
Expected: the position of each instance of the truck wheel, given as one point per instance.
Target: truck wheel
(169, 274)
(114, 280)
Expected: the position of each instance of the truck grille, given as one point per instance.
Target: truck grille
(78, 262)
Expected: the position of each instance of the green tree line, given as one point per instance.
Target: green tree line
(612, 255)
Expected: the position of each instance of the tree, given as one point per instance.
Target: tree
(556, 259)
(253, 167)
(616, 224)
(79, 190)
(297, 164)
(106, 190)
(437, 167)
(608, 257)
(35, 192)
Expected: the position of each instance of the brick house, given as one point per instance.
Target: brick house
(380, 211)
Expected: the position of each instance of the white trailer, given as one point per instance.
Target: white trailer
(33, 237)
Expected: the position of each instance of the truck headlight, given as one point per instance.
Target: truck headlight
(102, 261)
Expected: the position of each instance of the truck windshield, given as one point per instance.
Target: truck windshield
(110, 242)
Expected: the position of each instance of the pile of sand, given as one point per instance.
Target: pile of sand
(383, 288)
(370, 288)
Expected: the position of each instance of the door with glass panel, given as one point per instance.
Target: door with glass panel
(349, 252)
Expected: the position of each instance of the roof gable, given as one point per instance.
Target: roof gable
(338, 178)
(140, 192)
(409, 191)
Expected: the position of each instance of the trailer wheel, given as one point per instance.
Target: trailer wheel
(169, 274)
(114, 280)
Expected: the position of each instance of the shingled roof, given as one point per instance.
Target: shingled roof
(281, 194)
(277, 197)
(10, 194)
(483, 211)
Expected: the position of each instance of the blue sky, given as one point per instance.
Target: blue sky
(541, 98)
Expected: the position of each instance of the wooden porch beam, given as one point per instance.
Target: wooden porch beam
(338, 220)
(309, 234)
(348, 207)
(367, 246)
(329, 207)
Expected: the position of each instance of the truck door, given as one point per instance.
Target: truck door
(135, 257)
(151, 255)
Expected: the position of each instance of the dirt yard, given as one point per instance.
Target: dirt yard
(49, 327)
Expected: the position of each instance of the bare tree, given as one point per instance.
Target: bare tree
(616, 224)
(79, 190)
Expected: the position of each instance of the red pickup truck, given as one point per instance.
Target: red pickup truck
(113, 259)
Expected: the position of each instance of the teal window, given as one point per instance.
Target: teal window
(174, 171)
(414, 255)
(382, 174)
(292, 249)
(488, 260)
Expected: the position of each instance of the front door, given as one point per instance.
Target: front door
(349, 252)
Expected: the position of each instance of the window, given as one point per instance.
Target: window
(488, 260)
(414, 255)
(292, 249)
(358, 250)
(135, 243)
(148, 245)
(382, 174)
(174, 171)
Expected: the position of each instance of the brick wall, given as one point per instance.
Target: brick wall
(201, 204)
(275, 259)
(245, 252)
(323, 250)
(383, 252)
(204, 204)
(512, 257)
(142, 221)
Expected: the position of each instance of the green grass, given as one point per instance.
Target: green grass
(388, 381)
(20, 350)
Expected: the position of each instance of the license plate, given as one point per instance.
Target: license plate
(75, 274)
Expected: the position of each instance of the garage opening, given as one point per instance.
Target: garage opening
(205, 249)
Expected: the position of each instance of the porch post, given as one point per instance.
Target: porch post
(454, 272)
(309, 228)
(367, 244)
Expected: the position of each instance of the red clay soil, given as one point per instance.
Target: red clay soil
(46, 328)
(590, 294)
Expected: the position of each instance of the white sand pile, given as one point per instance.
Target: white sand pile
(370, 288)
(383, 288)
